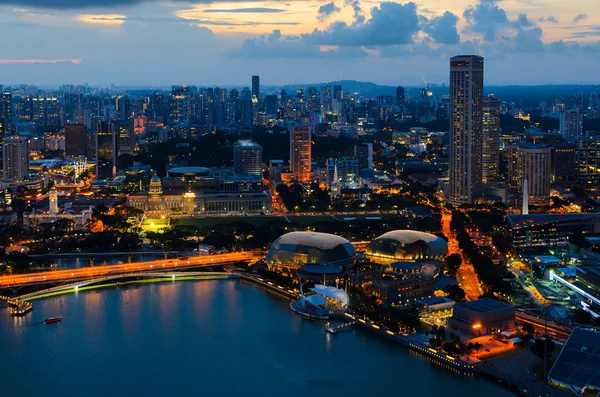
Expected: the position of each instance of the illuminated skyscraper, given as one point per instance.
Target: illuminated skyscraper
(491, 138)
(6, 111)
(256, 87)
(531, 171)
(107, 149)
(466, 119)
(300, 152)
(247, 157)
(15, 155)
(571, 125)
(399, 96)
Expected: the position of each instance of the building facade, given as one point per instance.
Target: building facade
(247, 157)
(76, 140)
(491, 139)
(466, 119)
(300, 152)
(15, 156)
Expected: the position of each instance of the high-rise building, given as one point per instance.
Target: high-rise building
(571, 125)
(344, 171)
(15, 155)
(126, 136)
(364, 154)
(256, 87)
(271, 104)
(300, 152)
(532, 166)
(76, 140)
(491, 139)
(107, 150)
(399, 96)
(247, 157)
(466, 119)
(564, 164)
(6, 112)
(338, 93)
(588, 159)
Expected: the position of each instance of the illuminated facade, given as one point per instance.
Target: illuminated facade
(531, 164)
(76, 140)
(300, 152)
(247, 157)
(482, 317)
(491, 139)
(588, 159)
(466, 118)
(15, 155)
(405, 245)
(107, 150)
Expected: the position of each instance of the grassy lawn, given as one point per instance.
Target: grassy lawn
(258, 220)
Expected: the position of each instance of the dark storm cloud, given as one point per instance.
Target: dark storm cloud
(443, 29)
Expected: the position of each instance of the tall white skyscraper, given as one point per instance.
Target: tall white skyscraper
(466, 119)
(16, 158)
(571, 125)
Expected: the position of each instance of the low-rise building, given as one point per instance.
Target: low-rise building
(482, 317)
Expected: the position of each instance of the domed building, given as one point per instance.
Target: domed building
(313, 252)
(405, 245)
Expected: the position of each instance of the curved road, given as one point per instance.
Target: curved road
(99, 271)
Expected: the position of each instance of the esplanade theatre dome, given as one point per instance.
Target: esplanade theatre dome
(297, 249)
(405, 245)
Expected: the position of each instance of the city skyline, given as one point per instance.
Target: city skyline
(141, 42)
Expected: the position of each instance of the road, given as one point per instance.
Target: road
(465, 275)
(99, 271)
(538, 324)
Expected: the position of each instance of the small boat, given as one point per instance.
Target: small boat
(52, 320)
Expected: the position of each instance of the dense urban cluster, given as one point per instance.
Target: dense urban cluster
(460, 214)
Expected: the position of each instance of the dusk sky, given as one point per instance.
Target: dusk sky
(164, 42)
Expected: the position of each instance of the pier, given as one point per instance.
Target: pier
(17, 307)
(340, 327)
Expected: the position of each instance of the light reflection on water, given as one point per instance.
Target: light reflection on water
(205, 337)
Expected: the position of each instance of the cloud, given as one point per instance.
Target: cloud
(245, 10)
(276, 46)
(83, 4)
(27, 61)
(358, 16)
(390, 23)
(522, 22)
(443, 29)
(486, 18)
(326, 10)
(120, 19)
(549, 18)
(580, 17)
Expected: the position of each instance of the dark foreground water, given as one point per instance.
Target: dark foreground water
(205, 338)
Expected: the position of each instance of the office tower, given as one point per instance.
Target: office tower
(125, 136)
(364, 154)
(247, 157)
(107, 149)
(466, 118)
(6, 112)
(564, 164)
(399, 96)
(588, 159)
(256, 87)
(76, 140)
(15, 155)
(347, 170)
(245, 108)
(491, 139)
(337, 92)
(571, 125)
(271, 104)
(158, 108)
(531, 163)
(300, 152)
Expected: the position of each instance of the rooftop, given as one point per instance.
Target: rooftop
(578, 364)
(517, 221)
(485, 305)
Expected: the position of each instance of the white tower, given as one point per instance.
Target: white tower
(525, 210)
(53, 202)
(335, 184)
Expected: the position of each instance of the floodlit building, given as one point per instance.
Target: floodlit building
(294, 250)
(405, 245)
(482, 317)
(300, 153)
(247, 157)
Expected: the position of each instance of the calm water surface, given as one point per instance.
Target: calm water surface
(208, 338)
